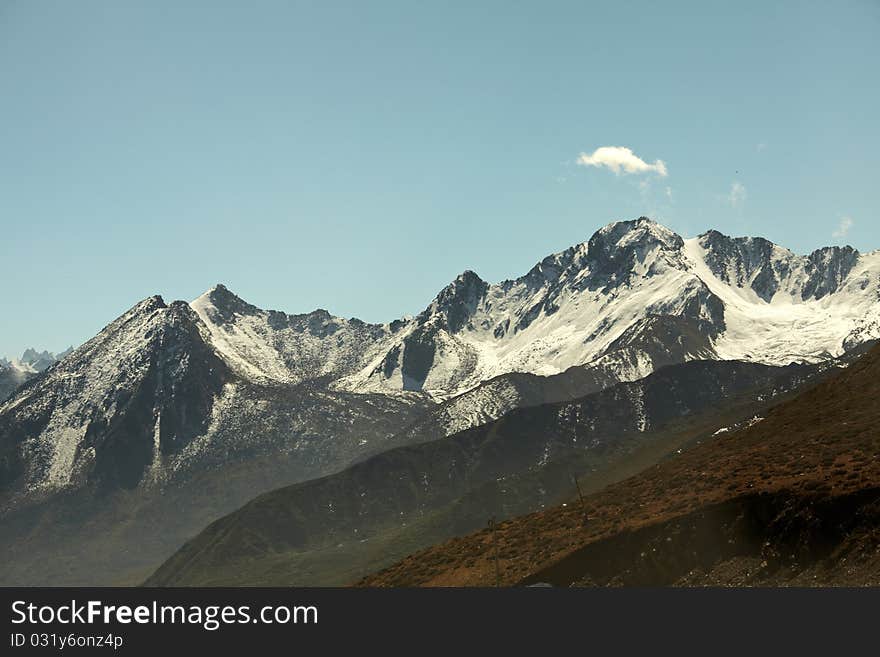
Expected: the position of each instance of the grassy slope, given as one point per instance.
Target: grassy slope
(275, 541)
(820, 448)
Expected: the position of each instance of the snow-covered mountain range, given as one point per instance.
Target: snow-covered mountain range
(16, 371)
(718, 297)
(186, 410)
(634, 297)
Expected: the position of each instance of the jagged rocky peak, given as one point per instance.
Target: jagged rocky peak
(131, 336)
(829, 268)
(39, 360)
(643, 229)
(119, 407)
(142, 311)
(751, 252)
(224, 304)
(220, 306)
(32, 363)
(752, 262)
(634, 233)
(766, 268)
(35, 361)
(459, 300)
(606, 256)
(148, 305)
(624, 249)
(466, 285)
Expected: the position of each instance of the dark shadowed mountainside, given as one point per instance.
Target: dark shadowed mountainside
(791, 500)
(327, 530)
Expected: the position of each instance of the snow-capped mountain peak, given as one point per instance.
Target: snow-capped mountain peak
(733, 297)
(274, 347)
(767, 268)
(15, 372)
(457, 302)
(171, 386)
(33, 361)
(642, 233)
(129, 398)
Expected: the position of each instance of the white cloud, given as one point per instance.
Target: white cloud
(620, 159)
(737, 194)
(668, 193)
(760, 147)
(843, 227)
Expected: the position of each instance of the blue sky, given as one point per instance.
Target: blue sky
(357, 156)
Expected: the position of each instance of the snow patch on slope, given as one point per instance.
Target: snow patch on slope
(789, 328)
(754, 300)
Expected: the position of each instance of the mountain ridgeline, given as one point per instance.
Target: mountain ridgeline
(178, 413)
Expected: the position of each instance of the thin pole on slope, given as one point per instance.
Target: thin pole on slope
(580, 497)
(495, 550)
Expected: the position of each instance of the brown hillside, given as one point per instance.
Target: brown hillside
(793, 499)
